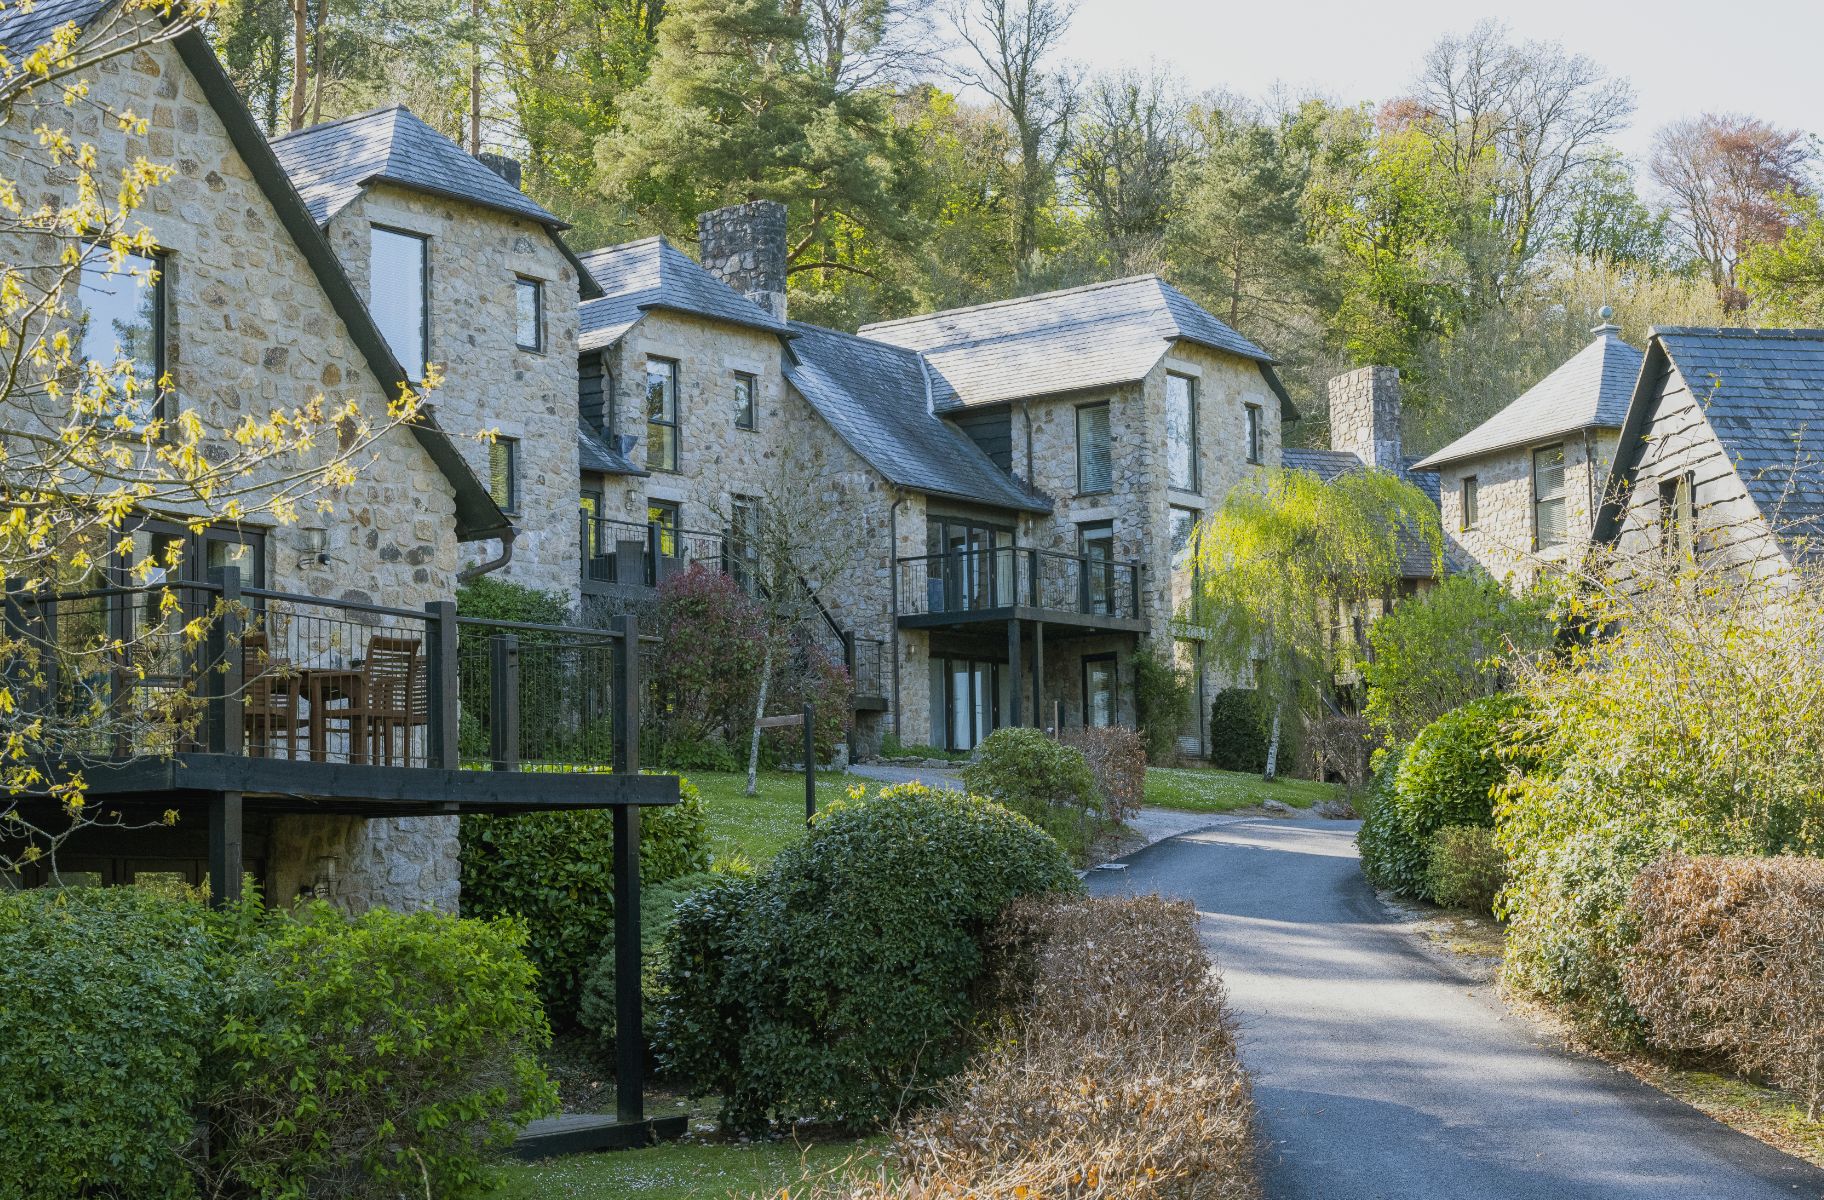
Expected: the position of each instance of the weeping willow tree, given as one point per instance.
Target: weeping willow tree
(1289, 568)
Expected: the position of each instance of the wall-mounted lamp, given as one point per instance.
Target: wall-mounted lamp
(324, 886)
(316, 547)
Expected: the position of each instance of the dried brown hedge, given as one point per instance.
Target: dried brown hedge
(1117, 758)
(1731, 961)
(1115, 1075)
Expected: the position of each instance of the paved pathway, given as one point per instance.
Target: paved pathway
(1380, 1073)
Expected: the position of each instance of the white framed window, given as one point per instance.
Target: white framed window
(1548, 497)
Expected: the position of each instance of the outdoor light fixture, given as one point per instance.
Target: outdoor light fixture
(316, 547)
(325, 886)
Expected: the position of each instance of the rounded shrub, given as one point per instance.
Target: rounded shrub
(553, 871)
(378, 1056)
(1045, 781)
(836, 984)
(1446, 777)
(1239, 730)
(109, 1002)
(1465, 868)
(658, 913)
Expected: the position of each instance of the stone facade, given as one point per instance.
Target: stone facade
(249, 330)
(1502, 541)
(1365, 416)
(489, 383)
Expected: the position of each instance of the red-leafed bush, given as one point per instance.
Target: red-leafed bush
(1730, 961)
(705, 678)
(1117, 758)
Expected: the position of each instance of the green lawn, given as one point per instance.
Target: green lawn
(760, 826)
(1197, 789)
(683, 1171)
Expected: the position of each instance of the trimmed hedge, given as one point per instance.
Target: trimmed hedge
(110, 998)
(554, 872)
(1045, 781)
(367, 1058)
(1465, 868)
(1730, 961)
(836, 984)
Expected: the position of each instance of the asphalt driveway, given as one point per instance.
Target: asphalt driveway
(1380, 1073)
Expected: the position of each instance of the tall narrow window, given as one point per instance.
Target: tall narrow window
(1472, 502)
(664, 517)
(529, 305)
(744, 400)
(123, 321)
(744, 540)
(1095, 460)
(1101, 702)
(1183, 527)
(661, 414)
(398, 277)
(592, 517)
(503, 472)
(1677, 518)
(1548, 496)
(1254, 448)
(1181, 432)
(1096, 545)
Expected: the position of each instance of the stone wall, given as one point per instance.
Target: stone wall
(489, 383)
(249, 330)
(744, 246)
(1502, 541)
(1365, 416)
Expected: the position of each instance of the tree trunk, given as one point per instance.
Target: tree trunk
(300, 66)
(1272, 771)
(753, 742)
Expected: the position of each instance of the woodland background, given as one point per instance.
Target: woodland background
(1466, 231)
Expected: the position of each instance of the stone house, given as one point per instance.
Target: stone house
(1718, 462)
(468, 278)
(1520, 491)
(246, 307)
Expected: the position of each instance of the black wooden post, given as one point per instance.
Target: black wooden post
(850, 662)
(810, 764)
(1038, 674)
(629, 1030)
(227, 724)
(503, 701)
(627, 696)
(1016, 685)
(441, 683)
(1083, 583)
(225, 860)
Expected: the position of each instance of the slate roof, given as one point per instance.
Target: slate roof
(595, 454)
(653, 273)
(1763, 395)
(331, 163)
(1099, 335)
(1415, 555)
(23, 32)
(873, 396)
(1589, 391)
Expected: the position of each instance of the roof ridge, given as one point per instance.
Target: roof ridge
(395, 106)
(612, 247)
(1152, 276)
(1795, 333)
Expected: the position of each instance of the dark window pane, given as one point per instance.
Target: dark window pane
(1095, 469)
(396, 281)
(744, 401)
(661, 415)
(1253, 433)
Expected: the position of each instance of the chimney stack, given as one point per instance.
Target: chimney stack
(1365, 416)
(503, 166)
(744, 246)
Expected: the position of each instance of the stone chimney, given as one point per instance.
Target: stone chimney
(1365, 416)
(744, 246)
(503, 166)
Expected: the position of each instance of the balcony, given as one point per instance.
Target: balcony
(1018, 583)
(620, 554)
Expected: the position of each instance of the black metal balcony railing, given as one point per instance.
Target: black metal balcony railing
(868, 666)
(618, 551)
(976, 581)
(187, 667)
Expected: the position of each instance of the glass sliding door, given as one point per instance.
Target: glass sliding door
(972, 566)
(1101, 697)
(970, 707)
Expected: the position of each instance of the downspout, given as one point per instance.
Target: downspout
(1026, 415)
(899, 729)
(471, 574)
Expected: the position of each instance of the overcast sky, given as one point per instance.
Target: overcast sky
(1683, 57)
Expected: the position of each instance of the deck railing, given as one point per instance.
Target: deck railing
(215, 667)
(976, 581)
(617, 551)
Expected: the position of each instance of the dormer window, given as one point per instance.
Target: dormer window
(398, 285)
